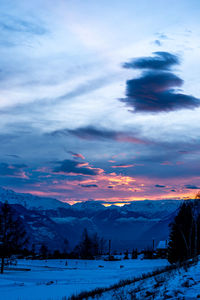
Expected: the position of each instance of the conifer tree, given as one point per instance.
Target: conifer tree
(86, 246)
(182, 235)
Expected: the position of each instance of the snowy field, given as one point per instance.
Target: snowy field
(53, 279)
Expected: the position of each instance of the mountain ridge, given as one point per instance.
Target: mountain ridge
(134, 225)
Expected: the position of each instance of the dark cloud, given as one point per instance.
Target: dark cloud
(92, 133)
(89, 185)
(161, 61)
(192, 187)
(154, 90)
(160, 186)
(71, 166)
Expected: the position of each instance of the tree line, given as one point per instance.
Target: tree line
(14, 240)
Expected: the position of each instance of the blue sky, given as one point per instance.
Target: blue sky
(100, 99)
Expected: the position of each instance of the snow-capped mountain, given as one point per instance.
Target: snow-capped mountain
(132, 226)
(31, 201)
(90, 205)
(153, 208)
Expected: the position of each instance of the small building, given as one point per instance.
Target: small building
(161, 249)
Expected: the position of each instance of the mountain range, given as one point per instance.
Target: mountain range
(52, 222)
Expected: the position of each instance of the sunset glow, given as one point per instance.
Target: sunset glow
(95, 111)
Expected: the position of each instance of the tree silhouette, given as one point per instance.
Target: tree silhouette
(95, 245)
(182, 243)
(126, 254)
(90, 245)
(86, 246)
(12, 233)
(43, 251)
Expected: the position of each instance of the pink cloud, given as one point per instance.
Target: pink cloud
(123, 166)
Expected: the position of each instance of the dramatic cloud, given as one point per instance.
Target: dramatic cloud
(154, 90)
(71, 166)
(64, 133)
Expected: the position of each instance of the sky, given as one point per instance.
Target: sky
(100, 100)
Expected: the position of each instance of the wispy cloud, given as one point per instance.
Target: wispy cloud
(77, 155)
(17, 25)
(93, 133)
(13, 170)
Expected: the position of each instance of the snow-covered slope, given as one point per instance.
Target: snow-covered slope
(181, 283)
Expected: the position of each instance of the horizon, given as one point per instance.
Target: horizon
(104, 202)
(93, 110)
